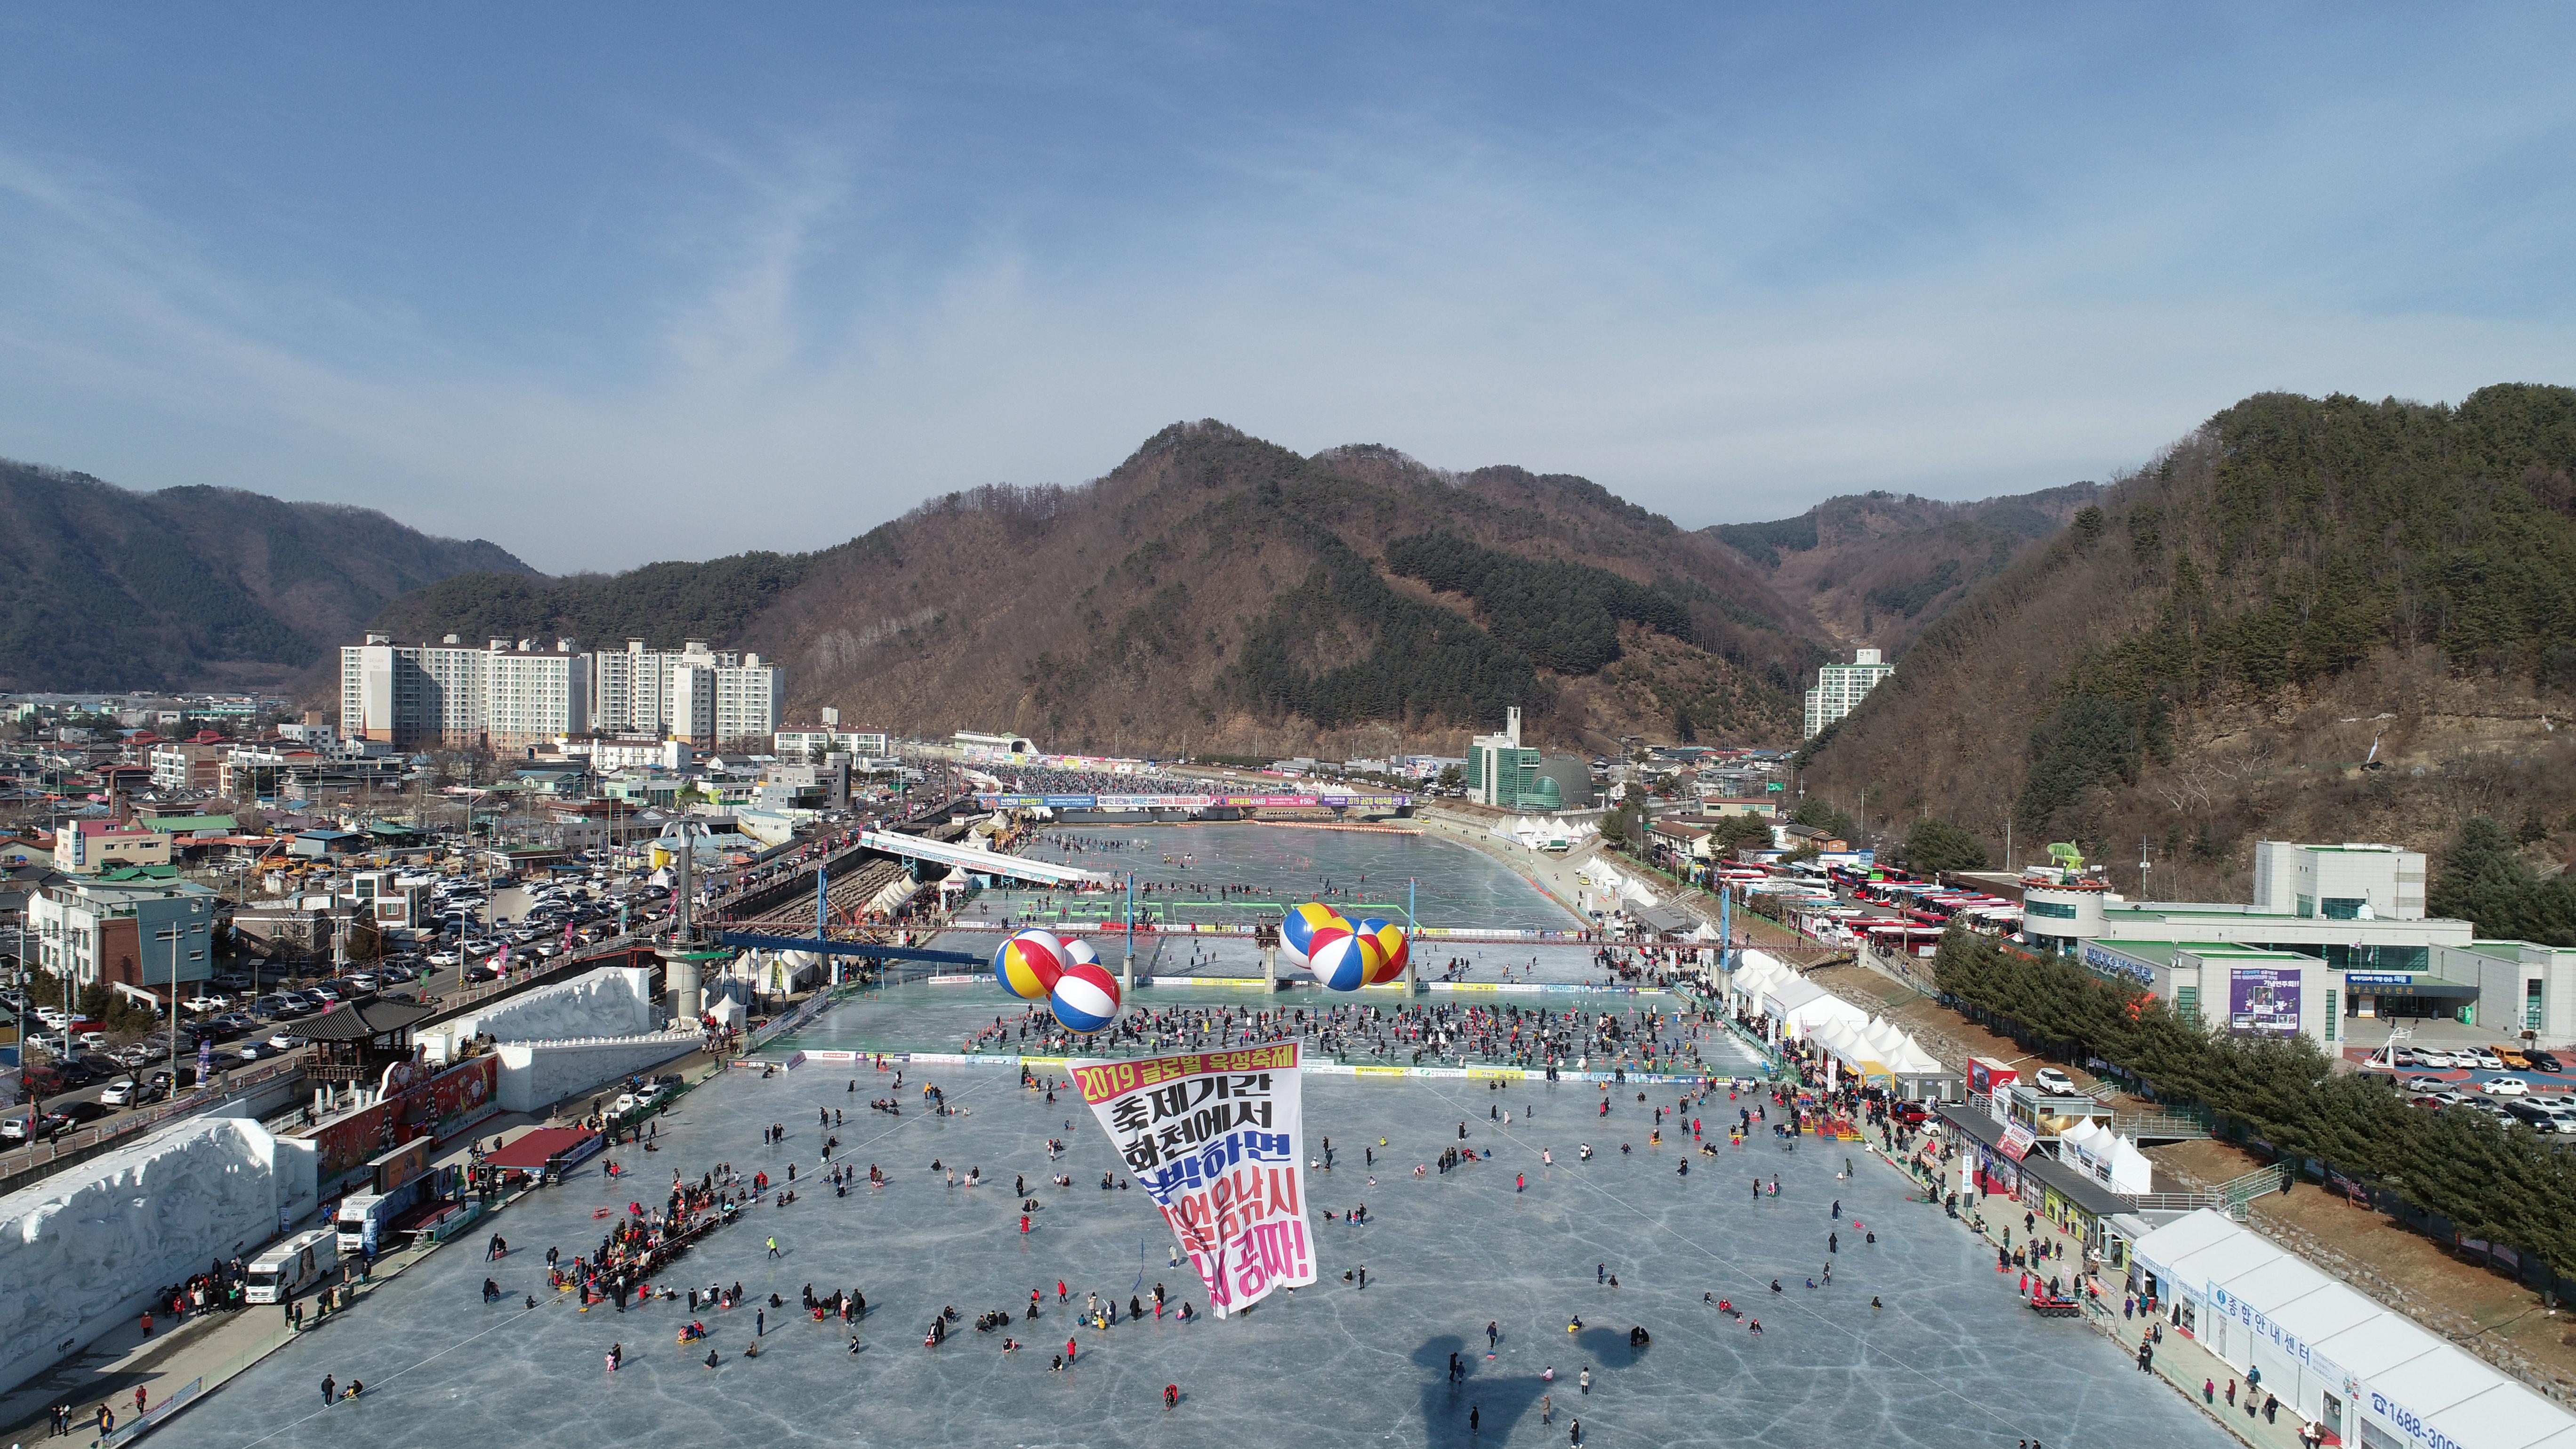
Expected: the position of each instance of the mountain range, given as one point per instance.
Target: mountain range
(1218, 593)
(1877, 568)
(2310, 619)
(102, 588)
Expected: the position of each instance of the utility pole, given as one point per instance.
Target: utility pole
(1127, 972)
(1412, 927)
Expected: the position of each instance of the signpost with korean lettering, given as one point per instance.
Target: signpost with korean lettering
(1215, 1139)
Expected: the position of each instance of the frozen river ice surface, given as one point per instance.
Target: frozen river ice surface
(1949, 1360)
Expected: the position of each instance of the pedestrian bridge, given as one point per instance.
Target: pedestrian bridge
(976, 859)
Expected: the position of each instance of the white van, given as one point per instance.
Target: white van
(289, 1268)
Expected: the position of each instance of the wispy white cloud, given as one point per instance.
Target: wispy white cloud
(1719, 304)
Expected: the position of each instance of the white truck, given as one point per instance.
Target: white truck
(292, 1266)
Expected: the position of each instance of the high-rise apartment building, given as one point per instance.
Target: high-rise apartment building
(1839, 688)
(705, 696)
(501, 695)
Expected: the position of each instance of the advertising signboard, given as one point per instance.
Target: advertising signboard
(2263, 1000)
(1338, 800)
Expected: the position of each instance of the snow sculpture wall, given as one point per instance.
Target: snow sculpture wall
(535, 1075)
(611, 1001)
(84, 1250)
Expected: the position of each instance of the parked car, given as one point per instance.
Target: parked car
(2505, 1087)
(2482, 1058)
(34, 1128)
(2424, 1084)
(81, 1114)
(203, 1004)
(2433, 1057)
(283, 1042)
(2050, 1079)
(2538, 1117)
(251, 1051)
(121, 1092)
(2545, 1061)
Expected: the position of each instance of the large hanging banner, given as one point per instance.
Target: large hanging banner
(1215, 1139)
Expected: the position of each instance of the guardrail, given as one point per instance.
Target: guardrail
(2162, 1126)
(2177, 1202)
(2238, 1192)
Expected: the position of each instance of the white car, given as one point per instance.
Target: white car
(2505, 1087)
(206, 1003)
(2480, 1058)
(119, 1093)
(285, 1043)
(2433, 1057)
(2050, 1079)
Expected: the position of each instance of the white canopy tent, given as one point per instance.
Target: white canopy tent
(2371, 1375)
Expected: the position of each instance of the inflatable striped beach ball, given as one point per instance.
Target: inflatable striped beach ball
(1393, 950)
(1085, 997)
(1028, 963)
(1345, 962)
(1079, 949)
(1297, 931)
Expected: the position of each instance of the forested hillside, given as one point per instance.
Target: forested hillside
(1217, 592)
(660, 603)
(1875, 568)
(2312, 618)
(102, 588)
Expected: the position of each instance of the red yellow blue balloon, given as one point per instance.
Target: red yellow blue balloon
(1344, 961)
(1297, 930)
(1027, 964)
(1393, 950)
(1085, 998)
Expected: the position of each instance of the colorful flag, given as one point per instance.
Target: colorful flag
(1216, 1140)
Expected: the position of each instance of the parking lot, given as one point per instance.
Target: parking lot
(242, 1016)
(2535, 1088)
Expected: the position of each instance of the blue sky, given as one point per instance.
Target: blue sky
(610, 284)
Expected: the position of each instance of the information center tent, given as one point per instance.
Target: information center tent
(2368, 1374)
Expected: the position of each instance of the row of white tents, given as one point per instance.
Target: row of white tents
(1545, 832)
(2112, 1159)
(1803, 1011)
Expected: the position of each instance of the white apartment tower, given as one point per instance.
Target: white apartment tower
(502, 695)
(1839, 688)
(705, 696)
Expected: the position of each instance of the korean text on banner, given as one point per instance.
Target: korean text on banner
(1215, 1139)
